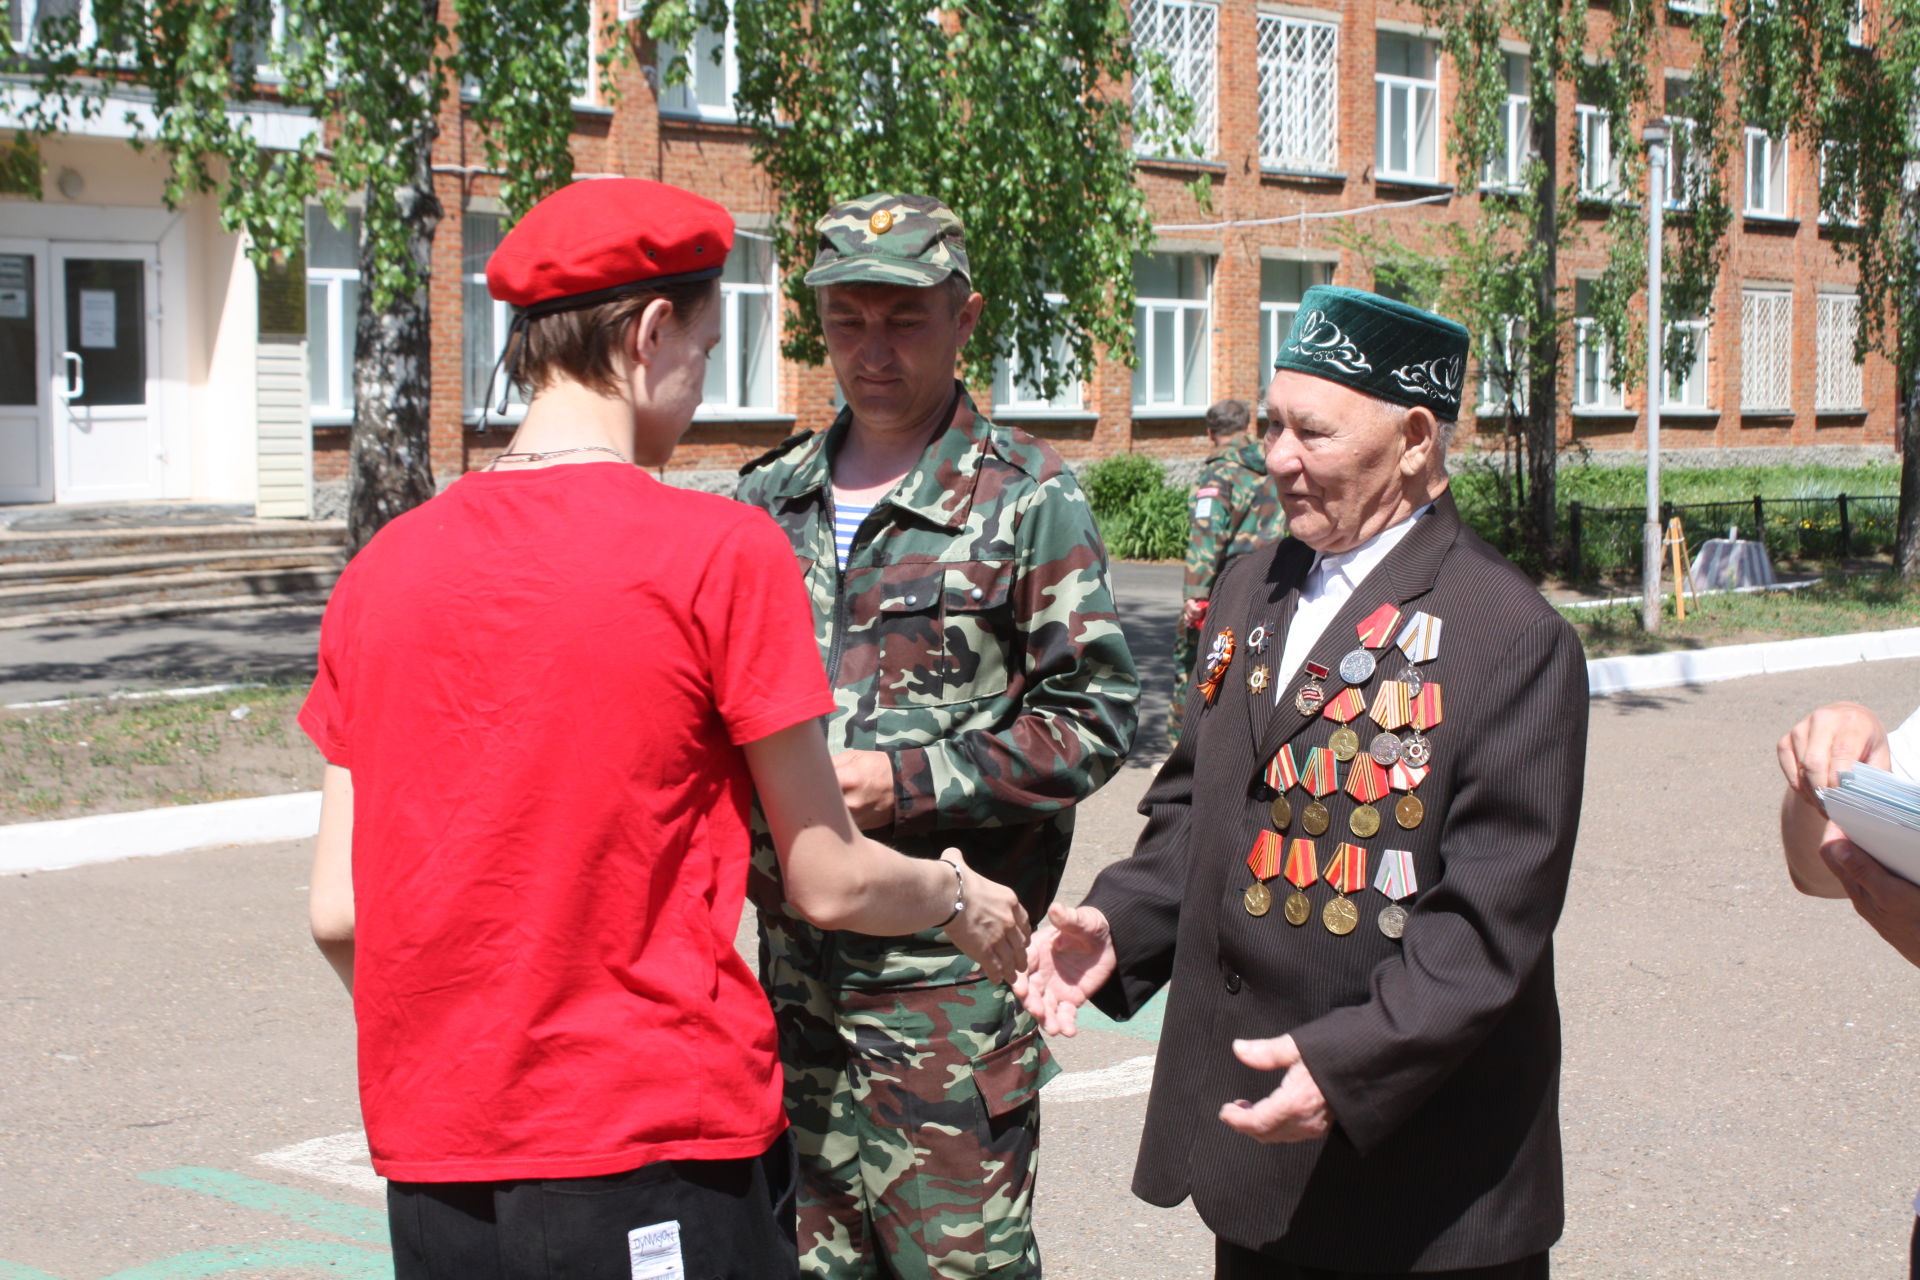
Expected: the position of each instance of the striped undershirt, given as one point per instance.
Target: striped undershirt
(846, 523)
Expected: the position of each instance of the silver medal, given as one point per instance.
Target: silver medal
(1357, 667)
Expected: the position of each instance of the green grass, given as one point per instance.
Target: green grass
(1879, 602)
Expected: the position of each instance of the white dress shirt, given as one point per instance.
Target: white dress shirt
(1331, 580)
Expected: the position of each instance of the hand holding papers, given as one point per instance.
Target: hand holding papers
(1881, 814)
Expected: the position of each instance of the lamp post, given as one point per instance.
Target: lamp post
(1656, 136)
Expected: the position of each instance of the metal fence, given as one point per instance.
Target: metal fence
(1604, 541)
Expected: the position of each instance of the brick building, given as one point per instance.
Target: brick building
(1308, 119)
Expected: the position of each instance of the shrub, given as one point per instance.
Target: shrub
(1113, 483)
(1140, 515)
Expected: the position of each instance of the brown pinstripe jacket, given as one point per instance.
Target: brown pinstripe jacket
(1439, 1054)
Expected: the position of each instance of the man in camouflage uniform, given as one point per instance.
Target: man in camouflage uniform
(1235, 509)
(983, 689)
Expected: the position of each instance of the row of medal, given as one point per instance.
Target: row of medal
(1346, 874)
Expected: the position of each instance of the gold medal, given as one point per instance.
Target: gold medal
(1257, 679)
(1258, 899)
(1364, 821)
(1408, 811)
(1297, 908)
(1393, 920)
(1340, 916)
(1282, 813)
(1345, 744)
(1315, 819)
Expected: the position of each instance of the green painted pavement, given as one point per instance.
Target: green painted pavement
(317, 1213)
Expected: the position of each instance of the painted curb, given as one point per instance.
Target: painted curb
(1640, 671)
(108, 837)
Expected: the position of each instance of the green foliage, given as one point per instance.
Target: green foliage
(20, 167)
(1007, 112)
(1140, 515)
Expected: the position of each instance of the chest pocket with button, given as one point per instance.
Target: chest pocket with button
(946, 632)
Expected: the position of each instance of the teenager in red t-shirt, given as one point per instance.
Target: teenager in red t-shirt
(546, 699)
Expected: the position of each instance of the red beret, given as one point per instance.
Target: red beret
(597, 239)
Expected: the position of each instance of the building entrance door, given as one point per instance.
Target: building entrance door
(105, 314)
(26, 385)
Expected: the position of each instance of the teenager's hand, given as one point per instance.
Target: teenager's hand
(1071, 957)
(992, 930)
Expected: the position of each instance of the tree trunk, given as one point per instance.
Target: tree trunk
(1543, 352)
(390, 466)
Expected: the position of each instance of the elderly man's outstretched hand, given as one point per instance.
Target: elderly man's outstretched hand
(1067, 961)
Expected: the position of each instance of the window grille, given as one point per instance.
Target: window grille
(1186, 35)
(1766, 349)
(1299, 63)
(1837, 383)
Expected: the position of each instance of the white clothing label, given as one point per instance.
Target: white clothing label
(1203, 509)
(653, 1252)
(96, 318)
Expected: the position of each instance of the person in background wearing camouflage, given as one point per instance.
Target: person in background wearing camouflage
(1235, 509)
(983, 688)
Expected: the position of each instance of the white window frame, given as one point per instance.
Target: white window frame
(1599, 167)
(1685, 176)
(1298, 60)
(735, 297)
(1506, 169)
(1771, 170)
(1276, 318)
(1512, 346)
(1594, 390)
(1857, 26)
(500, 318)
(1183, 314)
(1827, 219)
(683, 100)
(1839, 386)
(1422, 100)
(1766, 350)
(1703, 7)
(335, 407)
(1690, 396)
(26, 14)
(1192, 52)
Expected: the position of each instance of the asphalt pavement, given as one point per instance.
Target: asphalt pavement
(1739, 1100)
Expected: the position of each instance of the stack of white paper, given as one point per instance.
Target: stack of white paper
(1881, 814)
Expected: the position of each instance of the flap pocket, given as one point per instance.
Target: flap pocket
(974, 586)
(910, 587)
(1011, 1075)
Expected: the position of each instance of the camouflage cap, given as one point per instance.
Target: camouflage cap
(890, 239)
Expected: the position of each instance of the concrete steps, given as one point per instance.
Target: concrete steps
(67, 574)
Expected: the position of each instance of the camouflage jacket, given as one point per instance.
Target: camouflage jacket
(1235, 509)
(972, 636)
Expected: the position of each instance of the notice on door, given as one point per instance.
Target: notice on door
(96, 318)
(14, 283)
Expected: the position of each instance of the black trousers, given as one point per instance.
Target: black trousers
(1231, 1262)
(732, 1219)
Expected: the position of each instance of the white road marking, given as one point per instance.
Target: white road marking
(340, 1159)
(1121, 1080)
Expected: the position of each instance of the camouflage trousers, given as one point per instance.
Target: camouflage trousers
(916, 1113)
(1186, 651)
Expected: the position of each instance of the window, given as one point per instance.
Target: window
(1593, 386)
(1766, 347)
(485, 320)
(1857, 25)
(1688, 393)
(1503, 370)
(1839, 191)
(1691, 6)
(1186, 35)
(333, 302)
(1282, 284)
(1507, 166)
(1766, 175)
(713, 76)
(1837, 386)
(741, 370)
(1170, 330)
(1599, 168)
(1406, 85)
(1686, 172)
(1299, 64)
(1017, 388)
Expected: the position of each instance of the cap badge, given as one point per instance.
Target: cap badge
(881, 222)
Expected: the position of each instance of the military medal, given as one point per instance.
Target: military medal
(1392, 707)
(1282, 773)
(1405, 777)
(1408, 811)
(1385, 749)
(1414, 681)
(1258, 677)
(1426, 713)
(1264, 861)
(1377, 628)
(1346, 873)
(1303, 868)
(1366, 782)
(1396, 880)
(1420, 638)
(1282, 811)
(1308, 697)
(1345, 705)
(1219, 658)
(1345, 744)
(1318, 779)
(1357, 667)
(1417, 750)
(1257, 639)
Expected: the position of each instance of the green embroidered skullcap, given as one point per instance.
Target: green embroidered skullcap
(889, 239)
(1384, 348)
